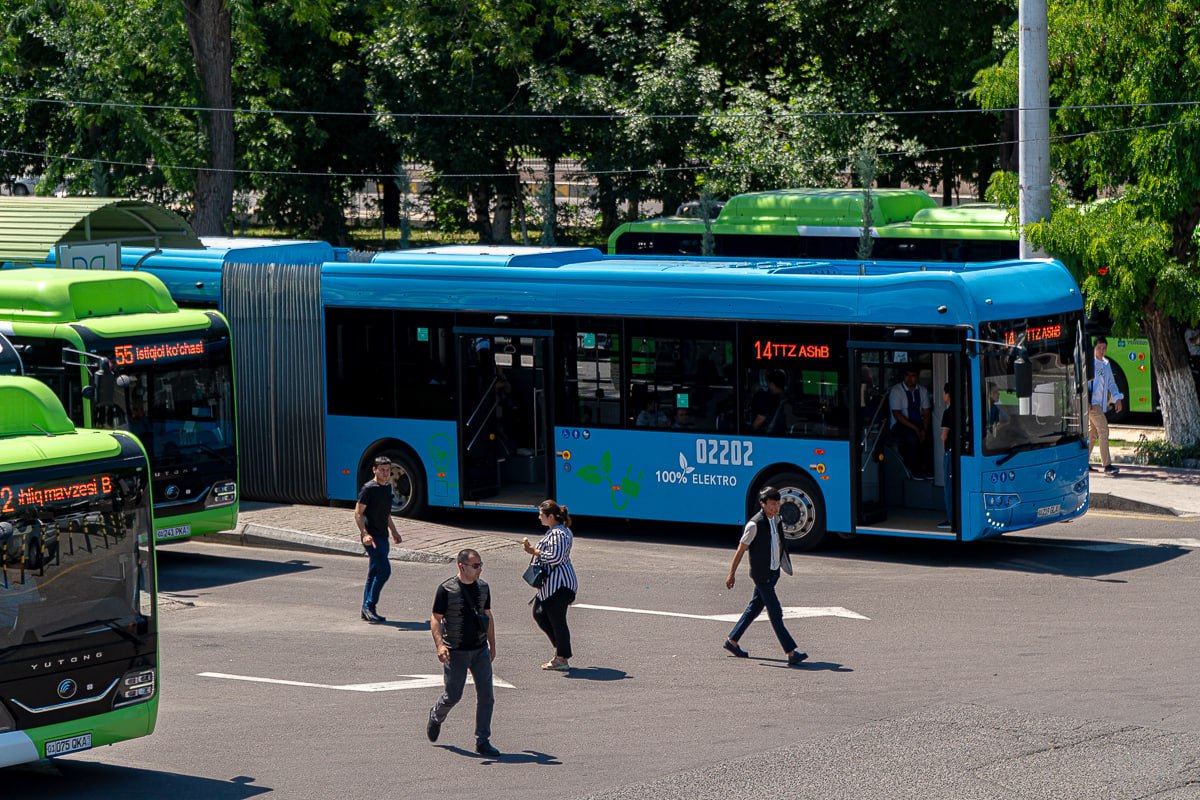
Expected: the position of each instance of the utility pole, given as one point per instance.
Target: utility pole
(1034, 99)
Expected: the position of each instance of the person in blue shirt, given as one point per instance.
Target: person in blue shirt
(1103, 392)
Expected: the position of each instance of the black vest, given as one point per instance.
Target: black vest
(760, 548)
(456, 610)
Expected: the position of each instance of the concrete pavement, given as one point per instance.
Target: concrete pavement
(1145, 490)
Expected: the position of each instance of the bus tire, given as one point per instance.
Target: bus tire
(1122, 387)
(408, 485)
(802, 510)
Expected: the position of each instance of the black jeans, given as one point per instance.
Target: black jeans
(551, 616)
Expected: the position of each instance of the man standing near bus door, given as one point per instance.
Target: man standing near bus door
(1103, 391)
(373, 515)
(763, 537)
(909, 403)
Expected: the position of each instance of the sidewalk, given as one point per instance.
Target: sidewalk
(326, 529)
(1148, 490)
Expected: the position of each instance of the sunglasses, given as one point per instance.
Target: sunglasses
(476, 565)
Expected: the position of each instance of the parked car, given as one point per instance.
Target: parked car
(20, 187)
(692, 209)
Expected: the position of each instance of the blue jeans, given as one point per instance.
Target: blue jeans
(765, 597)
(379, 569)
(454, 676)
(948, 488)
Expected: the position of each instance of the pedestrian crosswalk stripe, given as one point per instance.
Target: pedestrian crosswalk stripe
(789, 612)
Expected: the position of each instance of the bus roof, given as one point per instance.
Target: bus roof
(490, 256)
(840, 207)
(70, 295)
(979, 221)
(884, 292)
(35, 431)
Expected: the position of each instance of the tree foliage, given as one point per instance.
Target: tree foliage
(1125, 151)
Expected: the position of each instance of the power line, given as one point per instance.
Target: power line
(592, 117)
(49, 157)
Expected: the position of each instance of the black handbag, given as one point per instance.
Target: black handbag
(535, 573)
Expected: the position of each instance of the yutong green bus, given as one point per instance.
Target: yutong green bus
(120, 354)
(906, 225)
(78, 631)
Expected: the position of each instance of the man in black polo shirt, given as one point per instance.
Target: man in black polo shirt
(373, 515)
(763, 537)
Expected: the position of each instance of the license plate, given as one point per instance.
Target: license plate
(1049, 511)
(72, 745)
(173, 532)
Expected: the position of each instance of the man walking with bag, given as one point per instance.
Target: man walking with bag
(763, 538)
(465, 638)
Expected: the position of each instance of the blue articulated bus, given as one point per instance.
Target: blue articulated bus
(672, 388)
(193, 275)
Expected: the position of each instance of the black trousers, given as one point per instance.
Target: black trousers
(551, 616)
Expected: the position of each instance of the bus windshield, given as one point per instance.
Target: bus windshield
(76, 558)
(180, 406)
(1052, 415)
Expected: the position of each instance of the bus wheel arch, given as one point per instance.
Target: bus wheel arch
(408, 476)
(802, 508)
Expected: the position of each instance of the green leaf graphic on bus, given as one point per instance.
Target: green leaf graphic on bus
(627, 489)
(591, 475)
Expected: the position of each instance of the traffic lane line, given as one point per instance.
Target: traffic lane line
(414, 682)
(789, 612)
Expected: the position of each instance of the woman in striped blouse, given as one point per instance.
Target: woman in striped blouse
(557, 592)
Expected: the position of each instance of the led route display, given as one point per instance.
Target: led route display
(126, 354)
(768, 350)
(13, 498)
(1041, 333)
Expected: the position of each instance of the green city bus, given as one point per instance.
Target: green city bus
(905, 225)
(120, 354)
(78, 625)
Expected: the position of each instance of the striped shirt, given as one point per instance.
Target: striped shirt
(554, 550)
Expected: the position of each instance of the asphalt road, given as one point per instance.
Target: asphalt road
(1059, 665)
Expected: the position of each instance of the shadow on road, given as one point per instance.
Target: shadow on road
(534, 757)
(597, 674)
(180, 571)
(81, 780)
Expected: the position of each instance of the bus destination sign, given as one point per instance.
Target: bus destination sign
(1037, 333)
(788, 351)
(127, 354)
(12, 498)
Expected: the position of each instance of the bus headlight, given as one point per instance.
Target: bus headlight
(136, 686)
(222, 494)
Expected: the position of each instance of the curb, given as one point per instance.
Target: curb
(249, 534)
(1103, 501)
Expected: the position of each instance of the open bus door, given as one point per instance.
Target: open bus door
(504, 419)
(891, 493)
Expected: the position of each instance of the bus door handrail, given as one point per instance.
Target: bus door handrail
(489, 392)
(878, 435)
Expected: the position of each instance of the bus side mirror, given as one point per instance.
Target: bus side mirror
(1023, 372)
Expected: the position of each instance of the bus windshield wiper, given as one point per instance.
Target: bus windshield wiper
(1026, 446)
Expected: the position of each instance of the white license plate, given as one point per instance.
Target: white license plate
(72, 745)
(1049, 511)
(173, 533)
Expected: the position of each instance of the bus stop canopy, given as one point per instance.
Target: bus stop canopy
(30, 227)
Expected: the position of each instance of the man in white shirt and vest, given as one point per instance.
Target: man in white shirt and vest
(1103, 391)
(763, 538)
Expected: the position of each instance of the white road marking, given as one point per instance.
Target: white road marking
(414, 682)
(789, 612)
(1168, 542)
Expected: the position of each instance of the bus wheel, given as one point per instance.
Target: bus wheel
(408, 490)
(802, 510)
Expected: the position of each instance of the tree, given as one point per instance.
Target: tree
(1118, 71)
(210, 32)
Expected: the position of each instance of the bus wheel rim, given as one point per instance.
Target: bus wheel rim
(797, 511)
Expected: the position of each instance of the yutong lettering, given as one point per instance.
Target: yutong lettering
(63, 662)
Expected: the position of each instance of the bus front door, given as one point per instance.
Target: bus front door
(504, 433)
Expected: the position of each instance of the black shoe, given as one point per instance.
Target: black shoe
(433, 728)
(485, 748)
(796, 657)
(735, 649)
(1111, 469)
(944, 525)
(372, 617)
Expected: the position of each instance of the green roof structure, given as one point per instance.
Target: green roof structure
(30, 227)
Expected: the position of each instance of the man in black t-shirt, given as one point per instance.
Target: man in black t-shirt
(465, 638)
(373, 515)
(766, 407)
